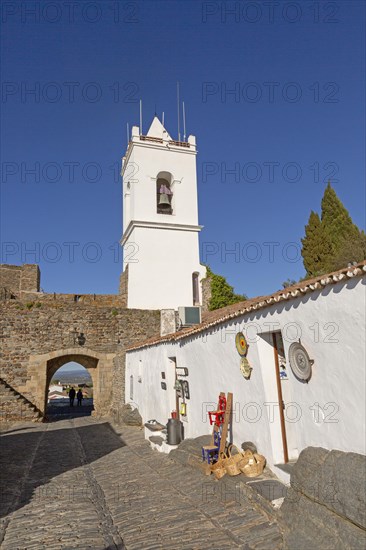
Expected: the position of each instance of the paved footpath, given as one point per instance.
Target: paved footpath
(80, 483)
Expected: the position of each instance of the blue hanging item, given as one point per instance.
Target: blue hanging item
(210, 453)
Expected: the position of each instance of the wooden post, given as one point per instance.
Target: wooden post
(216, 428)
(281, 404)
(176, 392)
(227, 420)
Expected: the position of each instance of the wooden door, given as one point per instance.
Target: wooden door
(281, 403)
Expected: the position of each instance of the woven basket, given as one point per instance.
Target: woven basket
(232, 463)
(219, 472)
(255, 465)
(219, 462)
(245, 457)
(218, 469)
(238, 456)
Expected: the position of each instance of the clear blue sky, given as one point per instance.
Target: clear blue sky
(297, 118)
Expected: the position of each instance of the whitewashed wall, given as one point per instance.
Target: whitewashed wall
(329, 411)
(162, 251)
(140, 169)
(161, 267)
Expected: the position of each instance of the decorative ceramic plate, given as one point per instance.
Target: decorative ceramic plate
(300, 362)
(241, 344)
(245, 368)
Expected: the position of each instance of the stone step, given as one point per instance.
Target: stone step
(14, 406)
(4, 399)
(9, 397)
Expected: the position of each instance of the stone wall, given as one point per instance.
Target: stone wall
(94, 300)
(123, 287)
(30, 278)
(206, 293)
(10, 277)
(326, 503)
(13, 406)
(168, 321)
(18, 278)
(45, 325)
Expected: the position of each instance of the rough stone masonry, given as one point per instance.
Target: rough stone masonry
(39, 332)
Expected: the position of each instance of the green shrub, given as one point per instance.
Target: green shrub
(222, 294)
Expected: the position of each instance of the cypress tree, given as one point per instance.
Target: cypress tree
(351, 250)
(347, 241)
(336, 218)
(316, 247)
(332, 241)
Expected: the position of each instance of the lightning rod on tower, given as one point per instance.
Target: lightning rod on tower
(184, 123)
(178, 111)
(140, 117)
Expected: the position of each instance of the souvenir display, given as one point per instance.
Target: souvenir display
(283, 372)
(245, 368)
(300, 362)
(241, 344)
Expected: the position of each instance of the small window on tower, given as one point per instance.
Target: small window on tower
(131, 387)
(195, 285)
(164, 196)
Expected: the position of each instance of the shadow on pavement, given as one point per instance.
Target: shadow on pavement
(60, 409)
(4, 429)
(57, 451)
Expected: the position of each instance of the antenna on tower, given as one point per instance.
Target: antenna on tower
(140, 117)
(184, 123)
(128, 134)
(162, 119)
(178, 111)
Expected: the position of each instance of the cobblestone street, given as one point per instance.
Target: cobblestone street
(80, 483)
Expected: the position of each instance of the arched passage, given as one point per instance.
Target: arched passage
(99, 365)
(70, 376)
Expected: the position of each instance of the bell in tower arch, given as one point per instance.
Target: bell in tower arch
(164, 199)
(164, 202)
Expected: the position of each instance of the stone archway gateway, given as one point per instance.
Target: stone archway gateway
(40, 332)
(99, 365)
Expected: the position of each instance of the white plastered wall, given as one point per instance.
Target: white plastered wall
(160, 268)
(161, 250)
(329, 410)
(142, 169)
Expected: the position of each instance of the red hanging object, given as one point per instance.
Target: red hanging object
(218, 417)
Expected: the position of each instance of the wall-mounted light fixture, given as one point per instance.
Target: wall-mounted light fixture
(79, 337)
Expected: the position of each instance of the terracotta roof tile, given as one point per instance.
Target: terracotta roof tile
(212, 318)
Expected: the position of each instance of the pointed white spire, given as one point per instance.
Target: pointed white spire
(157, 129)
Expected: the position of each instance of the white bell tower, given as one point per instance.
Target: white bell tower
(160, 221)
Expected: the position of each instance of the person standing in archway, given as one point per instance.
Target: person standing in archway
(72, 396)
(79, 396)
